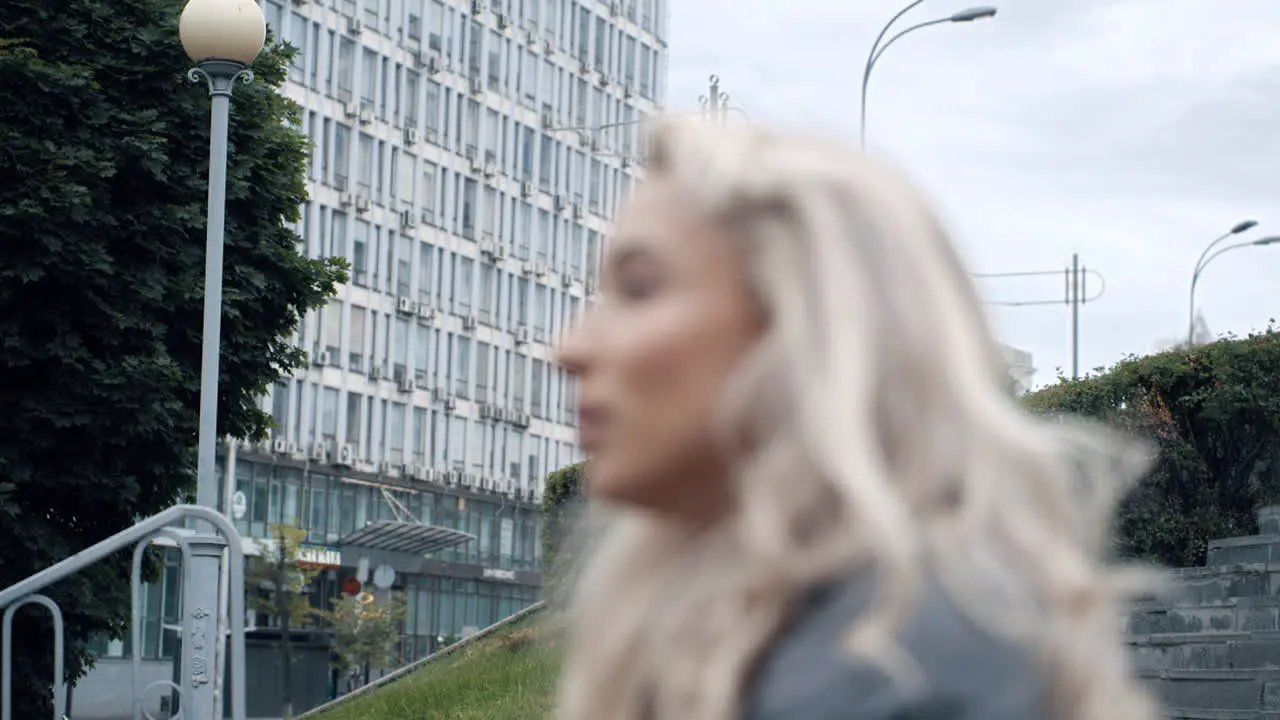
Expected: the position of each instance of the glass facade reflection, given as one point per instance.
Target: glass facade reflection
(467, 587)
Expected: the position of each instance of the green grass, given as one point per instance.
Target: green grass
(508, 676)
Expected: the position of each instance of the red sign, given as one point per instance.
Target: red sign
(351, 586)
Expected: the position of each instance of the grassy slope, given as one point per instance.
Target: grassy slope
(509, 676)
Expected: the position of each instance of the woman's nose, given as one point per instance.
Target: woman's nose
(571, 352)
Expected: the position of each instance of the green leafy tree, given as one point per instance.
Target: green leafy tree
(102, 245)
(1213, 414)
(365, 631)
(562, 505)
(279, 584)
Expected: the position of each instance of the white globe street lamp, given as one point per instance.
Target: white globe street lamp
(223, 37)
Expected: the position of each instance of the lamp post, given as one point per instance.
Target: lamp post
(964, 16)
(223, 37)
(1204, 261)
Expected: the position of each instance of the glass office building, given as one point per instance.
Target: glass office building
(467, 157)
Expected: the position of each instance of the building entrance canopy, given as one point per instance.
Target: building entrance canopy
(401, 543)
(407, 537)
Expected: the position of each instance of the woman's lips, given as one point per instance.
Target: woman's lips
(593, 420)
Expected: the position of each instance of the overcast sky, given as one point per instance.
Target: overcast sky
(1133, 132)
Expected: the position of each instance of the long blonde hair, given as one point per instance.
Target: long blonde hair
(882, 437)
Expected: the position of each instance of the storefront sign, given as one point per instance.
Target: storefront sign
(324, 557)
(495, 574)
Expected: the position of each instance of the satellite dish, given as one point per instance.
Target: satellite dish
(383, 577)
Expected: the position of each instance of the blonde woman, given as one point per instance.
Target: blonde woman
(826, 505)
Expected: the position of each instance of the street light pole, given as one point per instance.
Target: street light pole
(223, 37)
(715, 104)
(1240, 227)
(1204, 262)
(873, 56)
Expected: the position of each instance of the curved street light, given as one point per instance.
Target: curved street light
(969, 15)
(1240, 227)
(1204, 262)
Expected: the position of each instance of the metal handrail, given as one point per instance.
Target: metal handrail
(141, 535)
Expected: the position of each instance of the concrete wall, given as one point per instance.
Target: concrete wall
(106, 693)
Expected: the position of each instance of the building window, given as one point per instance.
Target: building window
(329, 417)
(360, 254)
(355, 407)
(356, 339)
(395, 434)
(421, 354)
(535, 388)
(400, 363)
(482, 372)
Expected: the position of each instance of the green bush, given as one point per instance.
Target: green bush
(1213, 412)
(561, 505)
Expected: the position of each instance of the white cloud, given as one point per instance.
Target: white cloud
(1130, 131)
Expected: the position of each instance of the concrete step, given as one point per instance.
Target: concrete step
(1249, 549)
(1257, 614)
(1221, 690)
(1200, 714)
(1216, 583)
(1206, 651)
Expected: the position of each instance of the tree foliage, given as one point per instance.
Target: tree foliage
(278, 583)
(1213, 412)
(561, 494)
(102, 246)
(364, 631)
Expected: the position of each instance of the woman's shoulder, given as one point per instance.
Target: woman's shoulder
(967, 672)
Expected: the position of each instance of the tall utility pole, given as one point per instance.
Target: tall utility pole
(1075, 294)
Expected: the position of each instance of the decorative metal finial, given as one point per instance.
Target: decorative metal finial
(220, 75)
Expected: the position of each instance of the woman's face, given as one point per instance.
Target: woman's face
(674, 319)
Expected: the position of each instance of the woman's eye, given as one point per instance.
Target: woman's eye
(638, 286)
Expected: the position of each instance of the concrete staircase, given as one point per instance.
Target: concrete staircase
(1211, 646)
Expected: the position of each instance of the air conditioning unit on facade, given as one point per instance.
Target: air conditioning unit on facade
(346, 456)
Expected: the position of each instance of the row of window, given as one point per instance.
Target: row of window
(506, 535)
(344, 69)
(392, 348)
(381, 429)
(387, 260)
(388, 172)
(438, 610)
(457, 200)
(455, 32)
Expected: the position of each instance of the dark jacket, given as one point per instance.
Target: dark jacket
(969, 674)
